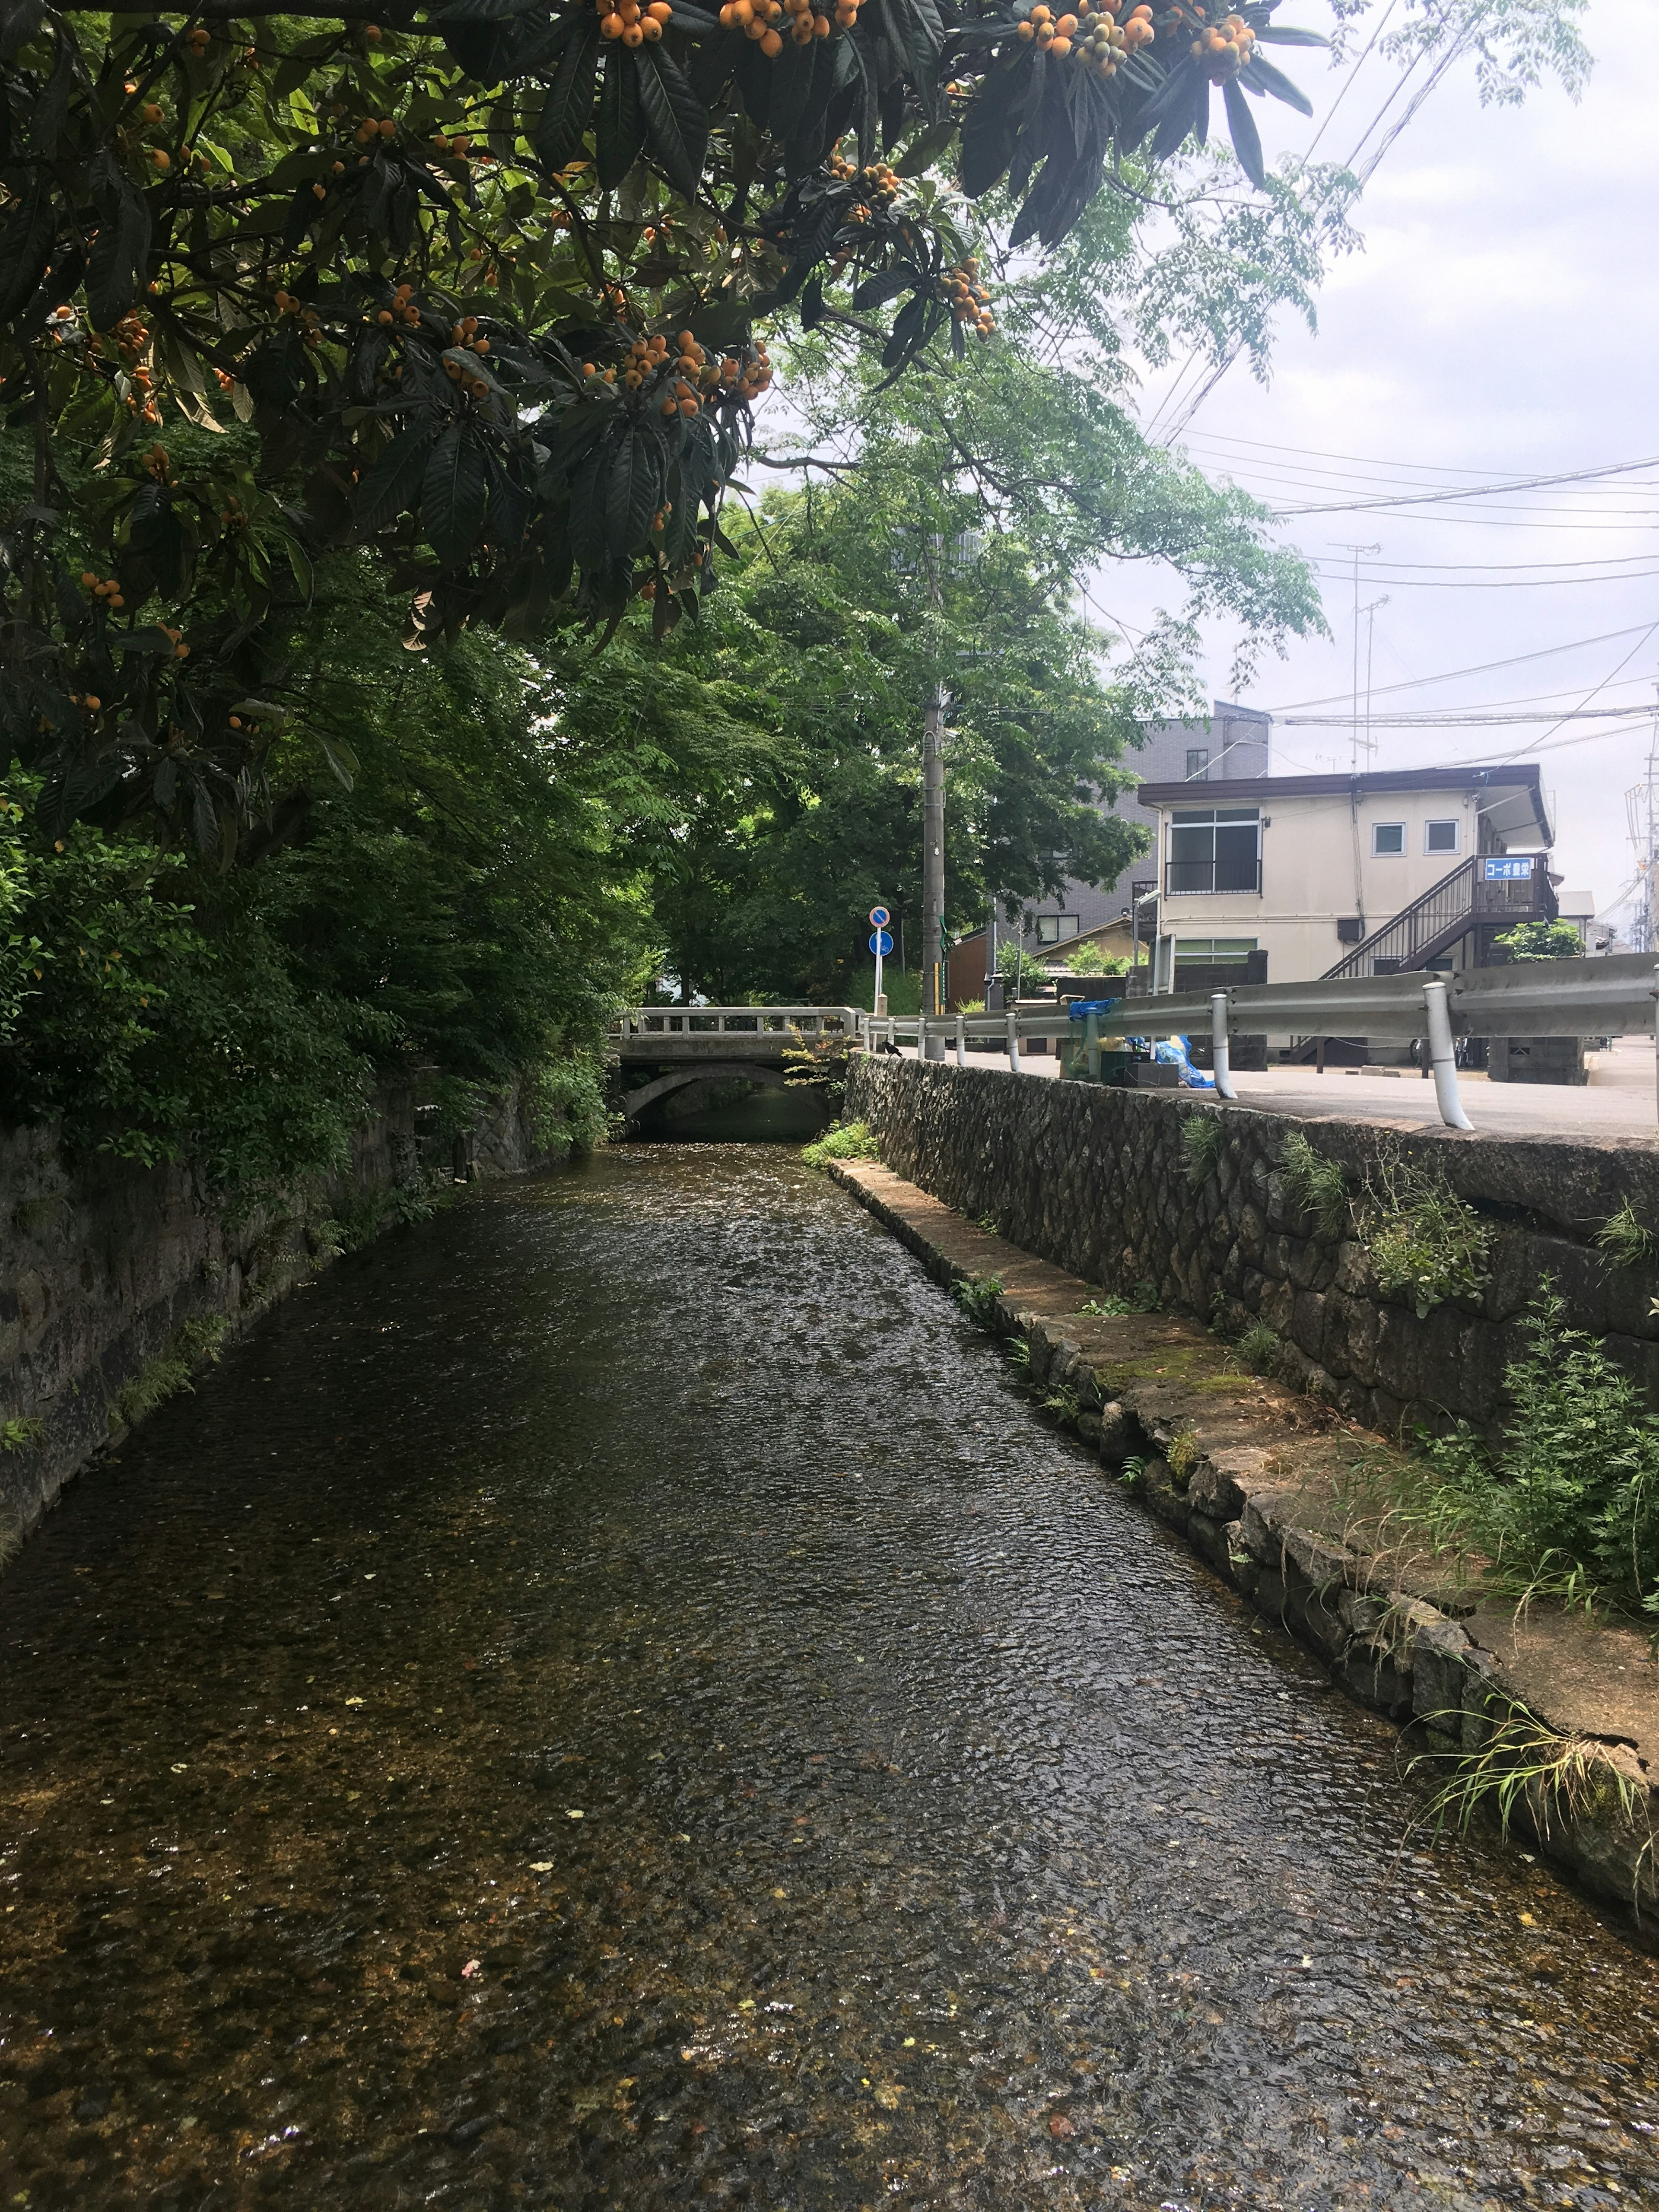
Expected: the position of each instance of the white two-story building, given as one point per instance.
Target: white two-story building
(1363, 874)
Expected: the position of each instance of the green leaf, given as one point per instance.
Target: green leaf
(25, 244)
(675, 118)
(341, 759)
(1287, 34)
(621, 130)
(454, 495)
(394, 482)
(1259, 71)
(1247, 139)
(119, 263)
(634, 493)
(568, 109)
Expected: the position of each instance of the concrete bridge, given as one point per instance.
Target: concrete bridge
(663, 1048)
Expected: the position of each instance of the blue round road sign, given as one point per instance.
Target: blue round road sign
(880, 917)
(881, 941)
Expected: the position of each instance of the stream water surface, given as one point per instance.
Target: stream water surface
(612, 1699)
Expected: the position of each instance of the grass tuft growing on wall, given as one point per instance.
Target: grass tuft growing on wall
(1426, 1244)
(851, 1140)
(1622, 1240)
(1315, 1184)
(1201, 1147)
(169, 1372)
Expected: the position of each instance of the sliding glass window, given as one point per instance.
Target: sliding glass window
(1218, 849)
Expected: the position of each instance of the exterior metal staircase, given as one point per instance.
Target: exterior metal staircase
(1465, 901)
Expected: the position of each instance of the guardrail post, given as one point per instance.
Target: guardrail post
(921, 1036)
(1224, 1074)
(1013, 1043)
(1656, 1029)
(1445, 1059)
(962, 1046)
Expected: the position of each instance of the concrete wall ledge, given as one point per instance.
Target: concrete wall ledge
(1245, 1469)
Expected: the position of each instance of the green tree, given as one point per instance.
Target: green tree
(1542, 940)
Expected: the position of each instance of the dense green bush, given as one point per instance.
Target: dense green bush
(1569, 1506)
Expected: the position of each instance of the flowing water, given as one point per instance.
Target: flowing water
(611, 1699)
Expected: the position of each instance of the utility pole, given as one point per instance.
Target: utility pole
(933, 823)
(1358, 551)
(1369, 613)
(932, 862)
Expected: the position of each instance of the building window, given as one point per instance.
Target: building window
(1055, 928)
(1198, 764)
(1389, 838)
(1440, 836)
(1219, 850)
(1213, 951)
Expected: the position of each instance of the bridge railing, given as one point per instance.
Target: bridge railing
(740, 1021)
(1613, 997)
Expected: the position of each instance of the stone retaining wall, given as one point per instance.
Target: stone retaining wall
(1095, 1181)
(103, 1262)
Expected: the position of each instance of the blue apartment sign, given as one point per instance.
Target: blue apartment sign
(1506, 868)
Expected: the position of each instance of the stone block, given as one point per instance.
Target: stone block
(1222, 1481)
(1157, 1488)
(1316, 1615)
(1326, 1565)
(1208, 1537)
(1263, 1537)
(1118, 1434)
(1361, 1611)
(1439, 1667)
(1375, 1678)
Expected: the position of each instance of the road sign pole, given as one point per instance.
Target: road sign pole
(881, 944)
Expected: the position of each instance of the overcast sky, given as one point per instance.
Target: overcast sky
(1503, 320)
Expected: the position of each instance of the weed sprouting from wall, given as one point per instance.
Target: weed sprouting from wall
(1426, 1244)
(1557, 1780)
(169, 1372)
(977, 1295)
(1112, 1305)
(1314, 1184)
(1201, 1147)
(1257, 1351)
(17, 1435)
(1622, 1240)
(851, 1140)
(1568, 1507)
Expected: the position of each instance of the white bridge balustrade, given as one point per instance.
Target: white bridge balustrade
(664, 1022)
(670, 1047)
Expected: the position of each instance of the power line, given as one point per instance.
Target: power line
(1482, 491)
(1454, 719)
(1318, 452)
(1482, 668)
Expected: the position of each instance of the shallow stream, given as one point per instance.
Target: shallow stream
(612, 1699)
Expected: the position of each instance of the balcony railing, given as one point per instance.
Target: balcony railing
(1182, 878)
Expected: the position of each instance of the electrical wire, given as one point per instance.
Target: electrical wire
(1481, 668)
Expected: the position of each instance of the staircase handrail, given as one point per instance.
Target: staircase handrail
(1368, 946)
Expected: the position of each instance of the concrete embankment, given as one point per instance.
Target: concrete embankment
(1278, 1493)
(114, 1276)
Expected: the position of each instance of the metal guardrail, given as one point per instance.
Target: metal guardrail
(1613, 997)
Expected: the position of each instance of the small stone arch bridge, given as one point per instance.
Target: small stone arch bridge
(661, 1049)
